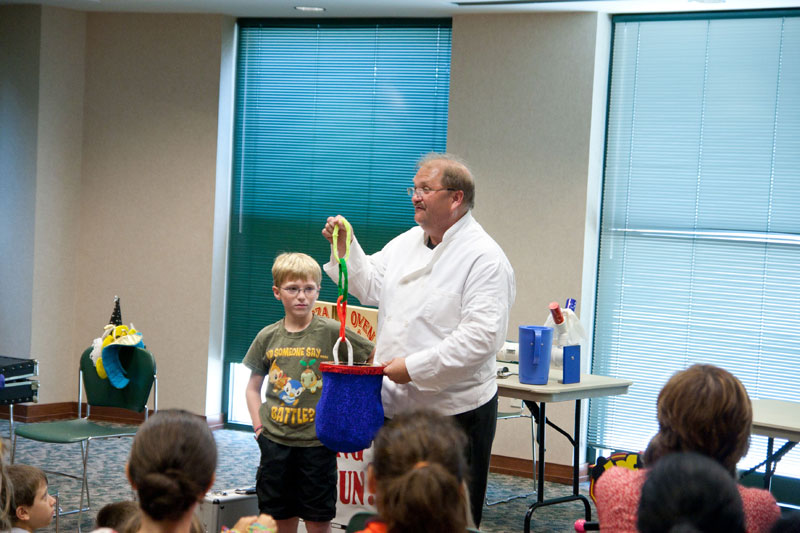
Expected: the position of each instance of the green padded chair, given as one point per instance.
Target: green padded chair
(140, 368)
(358, 521)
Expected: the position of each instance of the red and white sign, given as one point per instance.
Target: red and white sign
(352, 493)
(362, 320)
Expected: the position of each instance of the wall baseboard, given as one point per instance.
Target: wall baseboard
(216, 421)
(515, 466)
(45, 412)
(41, 412)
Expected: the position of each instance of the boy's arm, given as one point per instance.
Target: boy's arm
(253, 397)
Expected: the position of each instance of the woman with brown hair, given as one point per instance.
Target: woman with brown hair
(171, 467)
(417, 474)
(703, 409)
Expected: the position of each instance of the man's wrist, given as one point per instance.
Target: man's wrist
(257, 428)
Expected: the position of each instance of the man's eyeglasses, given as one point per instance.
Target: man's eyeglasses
(425, 191)
(308, 291)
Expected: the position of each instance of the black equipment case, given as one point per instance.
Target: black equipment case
(15, 387)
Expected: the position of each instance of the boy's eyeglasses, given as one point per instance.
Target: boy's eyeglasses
(425, 191)
(308, 291)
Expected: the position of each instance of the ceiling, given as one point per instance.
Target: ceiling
(403, 8)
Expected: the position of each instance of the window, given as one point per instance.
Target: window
(700, 232)
(330, 118)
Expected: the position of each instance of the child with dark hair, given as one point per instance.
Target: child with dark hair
(134, 524)
(171, 467)
(417, 474)
(115, 515)
(31, 506)
(690, 493)
(703, 409)
(789, 522)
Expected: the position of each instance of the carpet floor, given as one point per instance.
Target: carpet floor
(238, 459)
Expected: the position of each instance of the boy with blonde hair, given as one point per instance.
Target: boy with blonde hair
(297, 474)
(31, 505)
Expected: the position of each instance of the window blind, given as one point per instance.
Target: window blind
(700, 222)
(330, 118)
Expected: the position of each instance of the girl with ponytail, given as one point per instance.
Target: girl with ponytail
(171, 467)
(418, 474)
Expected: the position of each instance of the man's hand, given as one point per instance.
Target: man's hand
(327, 232)
(396, 371)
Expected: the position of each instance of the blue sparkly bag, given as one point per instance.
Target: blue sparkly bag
(349, 412)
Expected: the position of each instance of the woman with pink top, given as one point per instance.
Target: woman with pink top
(703, 409)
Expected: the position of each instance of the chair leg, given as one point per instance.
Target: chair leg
(533, 448)
(83, 479)
(86, 476)
(58, 509)
(84, 484)
(13, 446)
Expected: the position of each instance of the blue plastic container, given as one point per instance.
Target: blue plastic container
(535, 343)
(572, 364)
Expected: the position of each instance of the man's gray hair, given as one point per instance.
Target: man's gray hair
(456, 174)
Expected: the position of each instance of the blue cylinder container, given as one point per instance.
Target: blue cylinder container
(535, 343)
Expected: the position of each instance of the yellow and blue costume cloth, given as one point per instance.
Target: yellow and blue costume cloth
(105, 352)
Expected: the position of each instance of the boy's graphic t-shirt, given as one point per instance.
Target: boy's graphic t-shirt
(290, 361)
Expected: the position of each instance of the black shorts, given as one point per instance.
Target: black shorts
(293, 481)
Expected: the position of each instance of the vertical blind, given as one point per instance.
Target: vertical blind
(700, 228)
(330, 118)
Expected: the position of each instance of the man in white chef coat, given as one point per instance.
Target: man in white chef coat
(443, 290)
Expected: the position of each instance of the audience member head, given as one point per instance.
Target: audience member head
(789, 522)
(172, 464)
(690, 492)
(115, 515)
(31, 506)
(418, 472)
(134, 524)
(703, 409)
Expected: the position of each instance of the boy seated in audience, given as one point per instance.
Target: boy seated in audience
(115, 515)
(32, 507)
